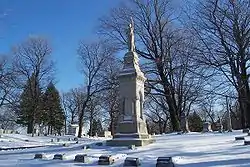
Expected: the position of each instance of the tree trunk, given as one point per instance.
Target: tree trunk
(80, 124)
(171, 102)
(29, 128)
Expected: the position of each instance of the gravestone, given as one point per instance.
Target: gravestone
(73, 129)
(39, 156)
(246, 142)
(80, 158)
(240, 138)
(106, 134)
(207, 127)
(132, 147)
(131, 161)
(164, 162)
(105, 160)
(131, 129)
(59, 156)
(246, 130)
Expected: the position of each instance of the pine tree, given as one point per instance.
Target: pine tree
(195, 122)
(95, 128)
(53, 115)
(29, 108)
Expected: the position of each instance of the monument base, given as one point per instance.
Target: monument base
(131, 133)
(129, 142)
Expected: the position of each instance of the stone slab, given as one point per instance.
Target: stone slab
(129, 142)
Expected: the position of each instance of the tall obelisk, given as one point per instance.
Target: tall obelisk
(132, 129)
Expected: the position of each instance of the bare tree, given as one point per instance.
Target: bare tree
(166, 49)
(94, 59)
(110, 97)
(7, 78)
(222, 26)
(157, 113)
(33, 65)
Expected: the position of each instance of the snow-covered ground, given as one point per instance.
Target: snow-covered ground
(187, 150)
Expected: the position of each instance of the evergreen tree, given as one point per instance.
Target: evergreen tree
(95, 128)
(195, 122)
(52, 115)
(29, 107)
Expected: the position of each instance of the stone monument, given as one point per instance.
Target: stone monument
(131, 129)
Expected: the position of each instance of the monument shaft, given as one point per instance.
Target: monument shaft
(132, 129)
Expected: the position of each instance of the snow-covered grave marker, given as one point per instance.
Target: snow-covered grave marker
(81, 158)
(39, 156)
(131, 161)
(59, 156)
(164, 162)
(247, 142)
(131, 147)
(106, 160)
(246, 130)
(240, 138)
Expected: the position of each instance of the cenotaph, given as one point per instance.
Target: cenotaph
(131, 129)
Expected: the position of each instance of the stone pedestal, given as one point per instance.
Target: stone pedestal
(207, 127)
(131, 129)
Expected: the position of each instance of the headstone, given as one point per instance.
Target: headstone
(73, 129)
(207, 127)
(219, 126)
(51, 140)
(246, 142)
(106, 134)
(39, 156)
(131, 161)
(99, 144)
(1, 131)
(164, 162)
(131, 129)
(240, 138)
(65, 144)
(105, 160)
(246, 130)
(85, 147)
(80, 158)
(59, 156)
(57, 139)
(132, 147)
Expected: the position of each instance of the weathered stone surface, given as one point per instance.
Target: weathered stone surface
(164, 162)
(246, 142)
(80, 158)
(132, 147)
(240, 138)
(131, 129)
(85, 147)
(131, 161)
(65, 144)
(245, 130)
(59, 156)
(207, 127)
(39, 156)
(105, 160)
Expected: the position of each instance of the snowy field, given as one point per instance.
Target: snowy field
(188, 150)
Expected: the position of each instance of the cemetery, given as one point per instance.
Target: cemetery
(160, 83)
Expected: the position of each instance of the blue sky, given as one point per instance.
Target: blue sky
(63, 22)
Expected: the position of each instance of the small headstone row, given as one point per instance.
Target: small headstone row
(109, 160)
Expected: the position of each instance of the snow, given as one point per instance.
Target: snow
(187, 150)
